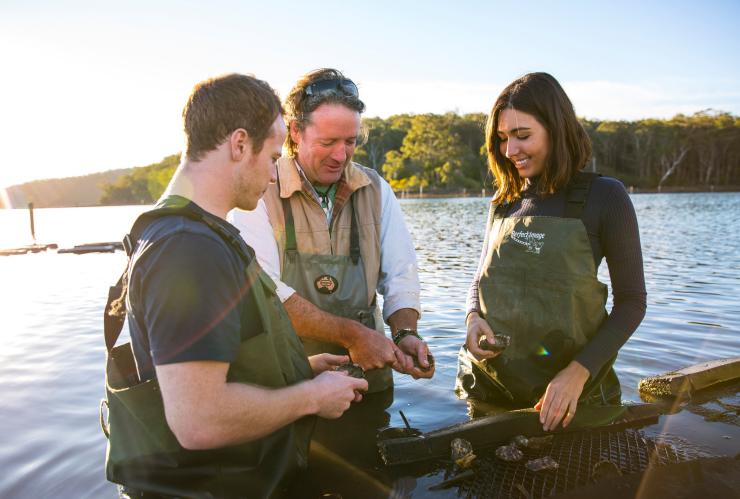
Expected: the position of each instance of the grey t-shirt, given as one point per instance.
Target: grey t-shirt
(188, 299)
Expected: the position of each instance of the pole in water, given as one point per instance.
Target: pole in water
(405, 421)
(33, 228)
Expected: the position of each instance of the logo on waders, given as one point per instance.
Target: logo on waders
(326, 284)
(532, 240)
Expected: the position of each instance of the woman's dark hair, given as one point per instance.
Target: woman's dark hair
(540, 95)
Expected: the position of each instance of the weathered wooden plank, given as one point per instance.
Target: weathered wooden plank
(33, 248)
(691, 379)
(80, 249)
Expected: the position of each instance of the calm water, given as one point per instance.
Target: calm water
(52, 353)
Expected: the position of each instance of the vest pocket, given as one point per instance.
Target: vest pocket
(138, 428)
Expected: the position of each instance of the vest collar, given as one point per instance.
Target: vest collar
(291, 180)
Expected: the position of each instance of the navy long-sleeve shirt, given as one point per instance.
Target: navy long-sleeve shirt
(611, 224)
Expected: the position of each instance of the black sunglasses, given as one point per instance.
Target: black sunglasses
(332, 85)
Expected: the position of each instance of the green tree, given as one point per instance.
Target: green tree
(382, 136)
(434, 151)
(142, 186)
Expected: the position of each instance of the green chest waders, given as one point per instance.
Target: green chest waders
(539, 286)
(336, 284)
(143, 453)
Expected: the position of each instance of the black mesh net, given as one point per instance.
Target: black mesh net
(577, 454)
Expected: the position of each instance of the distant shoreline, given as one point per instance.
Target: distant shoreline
(456, 194)
(631, 189)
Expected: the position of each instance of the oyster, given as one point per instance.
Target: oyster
(430, 359)
(604, 469)
(509, 453)
(351, 369)
(500, 342)
(542, 464)
(520, 441)
(539, 443)
(462, 452)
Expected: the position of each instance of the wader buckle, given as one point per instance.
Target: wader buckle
(103, 424)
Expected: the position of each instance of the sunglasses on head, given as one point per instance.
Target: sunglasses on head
(332, 85)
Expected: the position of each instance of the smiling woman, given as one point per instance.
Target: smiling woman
(549, 227)
(524, 141)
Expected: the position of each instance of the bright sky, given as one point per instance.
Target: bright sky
(92, 86)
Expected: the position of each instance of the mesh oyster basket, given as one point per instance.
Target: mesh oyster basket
(576, 454)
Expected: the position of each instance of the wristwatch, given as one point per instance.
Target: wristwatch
(402, 333)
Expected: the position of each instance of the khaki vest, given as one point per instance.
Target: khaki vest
(312, 231)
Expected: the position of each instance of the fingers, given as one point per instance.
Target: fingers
(553, 408)
(418, 373)
(325, 361)
(404, 363)
(336, 360)
(479, 353)
(548, 407)
(544, 408)
(417, 360)
(373, 351)
(560, 400)
(538, 405)
(338, 392)
(570, 414)
(477, 328)
(358, 384)
(556, 413)
(422, 354)
(424, 367)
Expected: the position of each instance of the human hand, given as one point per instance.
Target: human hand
(561, 396)
(371, 349)
(324, 361)
(477, 328)
(334, 391)
(417, 349)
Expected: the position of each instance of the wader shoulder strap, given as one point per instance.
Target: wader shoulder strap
(115, 308)
(354, 234)
(576, 193)
(291, 244)
(290, 241)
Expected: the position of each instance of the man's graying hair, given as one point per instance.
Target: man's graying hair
(299, 106)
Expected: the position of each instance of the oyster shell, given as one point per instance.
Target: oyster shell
(539, 443)
(462, 452)
(430, 359)
(542, 464)
(509, 453)
(351, 369)
(520, 441)
(604, 469)
(500, 342)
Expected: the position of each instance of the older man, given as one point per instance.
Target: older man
(215, 396)
(332, 233)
